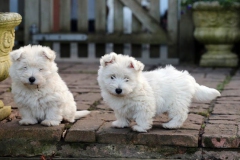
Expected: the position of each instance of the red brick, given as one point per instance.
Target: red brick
(83, 131)
(231, 93)
(12, 130)
(157, 137)
(223, 155)
(226, 109)
(220, 136)
(108, 134)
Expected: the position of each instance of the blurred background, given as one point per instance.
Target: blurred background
(153, 31)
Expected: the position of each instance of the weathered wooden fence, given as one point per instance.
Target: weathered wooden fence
(48, 22)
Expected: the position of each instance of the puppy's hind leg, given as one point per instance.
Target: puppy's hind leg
(53, 117)
(177, 119)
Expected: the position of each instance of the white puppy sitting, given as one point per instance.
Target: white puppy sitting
(38, 90)
(137, 95)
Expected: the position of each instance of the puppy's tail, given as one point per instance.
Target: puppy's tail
(205, 94)
(80, 114)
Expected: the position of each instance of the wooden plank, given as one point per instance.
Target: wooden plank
(172, 22)
(118, 24)
(154, 11)
(139, 38)
(100, 25)
(186, 38)
(100, 16)
(142, 15)
(5, 6)
(82, 20)
(31, 13)
(136, 24)
(74, 50)
(136, 50)
(118, 16)
(65, 16)
(82, 15)
(46, 16)
(56, 8)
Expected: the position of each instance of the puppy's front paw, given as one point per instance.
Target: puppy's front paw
(138, 128)
(50, 123)
(171, 125)
(120, 124)
(27, 121)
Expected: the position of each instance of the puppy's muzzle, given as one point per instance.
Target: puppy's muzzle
(31, 80)
(118, 90)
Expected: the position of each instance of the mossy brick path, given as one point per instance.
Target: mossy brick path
(211, 130)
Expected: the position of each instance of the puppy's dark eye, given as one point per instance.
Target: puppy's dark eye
(113, 77)
(40, 69)
(24, 68)
(126, 79)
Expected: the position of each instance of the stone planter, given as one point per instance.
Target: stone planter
(218, 28)
(8, 21)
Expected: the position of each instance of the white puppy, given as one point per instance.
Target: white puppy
(137, 95)
(38, 90)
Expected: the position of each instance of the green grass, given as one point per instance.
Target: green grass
(221, 86)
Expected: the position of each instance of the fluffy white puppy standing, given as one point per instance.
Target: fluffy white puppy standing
(137, 95)
(39, 92)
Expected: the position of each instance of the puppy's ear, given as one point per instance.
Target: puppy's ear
(16, 54)
(137, 65)
(108, 59)
(48, 53)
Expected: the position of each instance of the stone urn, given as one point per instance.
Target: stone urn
(218, 28)
(8, 22)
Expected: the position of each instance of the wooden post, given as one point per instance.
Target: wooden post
(31, 12)
(172, 23)
(154, 11)
(82, 26)
(118, 24)
(82, 15)
(65, 26)
(118, 16)
(46, 16)
(136, 28)
(56, 8)
(100, 16)
(65, 7)
(100, 25)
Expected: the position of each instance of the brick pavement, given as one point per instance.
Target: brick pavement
(211, 130)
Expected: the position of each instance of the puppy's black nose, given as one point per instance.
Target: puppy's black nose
(118, 90)
(31, 79)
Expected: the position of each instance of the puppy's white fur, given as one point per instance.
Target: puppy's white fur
(38, 90)
(137, 95)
